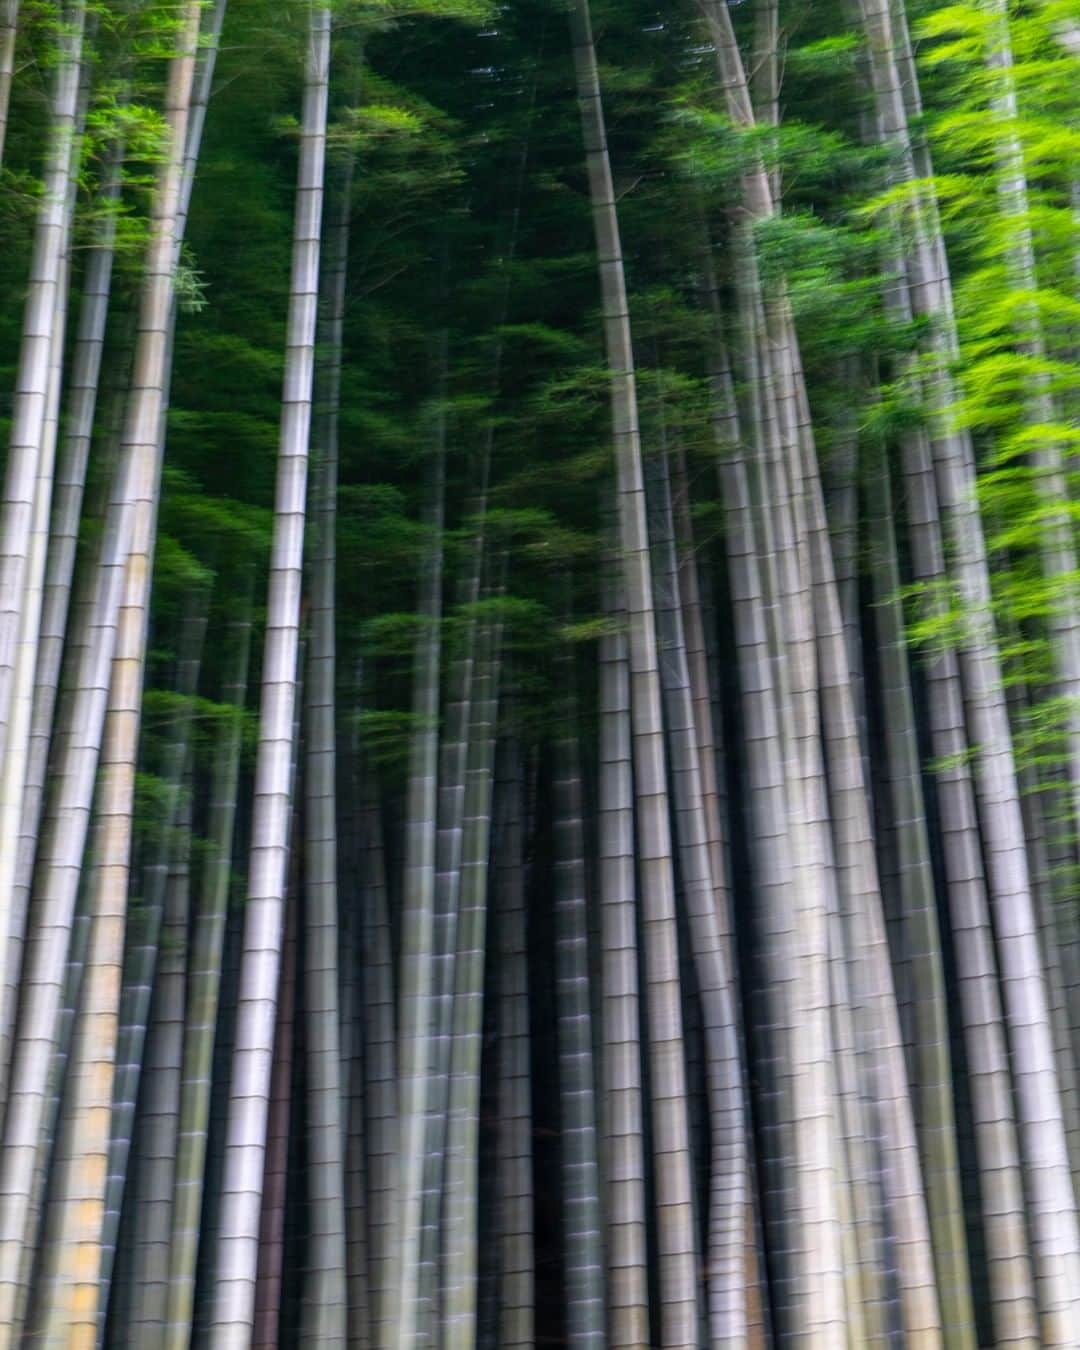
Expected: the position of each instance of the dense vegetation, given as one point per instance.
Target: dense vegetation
(539, 674)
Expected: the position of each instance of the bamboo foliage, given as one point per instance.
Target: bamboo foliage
(639, 905)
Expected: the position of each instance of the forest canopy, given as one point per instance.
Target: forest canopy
(539, 674)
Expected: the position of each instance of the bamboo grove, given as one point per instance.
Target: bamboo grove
(539, 674)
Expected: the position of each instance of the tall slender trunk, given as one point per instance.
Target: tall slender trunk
(39, 1260)
(232, 1316)
(60, 857)
(463, 1130)
(1055, 1231)
(1012, 1291)
(846, 537)
(142, 943)
(42, 335)
(770, 862)
(678, 1258)
(454, 751)
(517, 1263)
(812, 1215)
(1039, 827)
(358, 1262)
(1011, 1281)
(931, 1066)
(583, 1236)
(70, 480)
(154, 1181)
(380, 1063)
(220, 1086)
(405, 1322)
(765, 77)
(879, 1038)
(204, 983)
(627, 1245)
(9, 26)
(710, 944)
(271, 1254)
(93, 1061)
(324, 1301)
(1057, 549)
(812, 1296)
(705, 710)
(24, 514)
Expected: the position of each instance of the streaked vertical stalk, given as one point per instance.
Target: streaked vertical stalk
(358, 1265)
(323, 1308)
(380, 1064)
(68, 492)
(582, 1215)
(514, 1181)
(271, 1255)
(461, 1201)
(879, 1041)
(142, 941)
(9, 27)
(236, 1267)
(1054, 1227)
(159, 1119)
(204, 985)
(710, 944)
(620, 1060)
(931, 1061)
(28, 478)
(404, 1321)
(64, 836)
(453, 775)
(40, 335)
(678, 1257)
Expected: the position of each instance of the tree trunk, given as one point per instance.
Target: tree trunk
(454, 753)
(713, 956)
(380, 1064)
(627, 1246)
(405, 1322)
(931, 1070)
(154, 1178)
(42, 338)
(232, 1317)
(324, 1302)
(9, 25)
(24, 515)
(1055, 1232)
(142, 944)
(60, 566)
(463, 1130)
(583, 1236)
(204, 984)
(1057, 548)
(60, 857)
(517, 1263)
(678, 1257)
(271, 1254)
